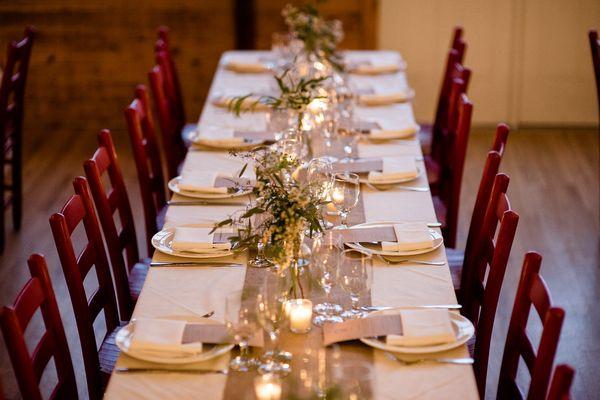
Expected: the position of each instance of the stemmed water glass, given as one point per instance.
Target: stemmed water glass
(319, 174)
(326, 254)
(270, 306)
(345, 194)
(356, 277)
(241, 323)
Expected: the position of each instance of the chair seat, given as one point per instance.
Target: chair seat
(455, 262)
(137, 276)
(108, 354)
(426, 138)
(471, 344)
(188, 132)
(160, 218)
(433, 172)
(440, 210)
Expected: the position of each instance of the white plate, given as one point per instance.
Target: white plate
(438, 240)
(463, 328)
(162, 241)
(123, 341)
(247, 144)
(174, 187)
(363, 178)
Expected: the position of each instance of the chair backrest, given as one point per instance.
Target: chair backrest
(165, 60)
(595, 47)
(486, 274)
(147, 159)
(12, 86)
(79, 209)
(490, 169)
(169, 127)
(560, 388)
(108, 203)
(14, 319)
(532, 291)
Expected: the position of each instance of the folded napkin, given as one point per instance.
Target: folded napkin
(250, 103)
(386, 99)
(394, 169)
(410, 236)
(369, 69)
(247, 67)
(201, 182)
(196, 240)
(161, 335)
(222, 138)
(423, 328)
(389, 134)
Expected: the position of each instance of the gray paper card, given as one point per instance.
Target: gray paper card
(381, 233)
(230, 182)
(359, 165)
(214, 334)
(353, 329)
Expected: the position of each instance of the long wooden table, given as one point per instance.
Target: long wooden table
(188, 292)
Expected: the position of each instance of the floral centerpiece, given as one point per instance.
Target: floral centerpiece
(320, 37)
(284, 210)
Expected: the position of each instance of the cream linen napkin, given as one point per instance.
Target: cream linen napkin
(369, 69)
(247, 67)
(423, 328)
(196, 240)
(394, 169)
(389, 134)
(161, 336)
(410, 236)
(217, 138)
(201, 182)
(386, 99)
(251, 103)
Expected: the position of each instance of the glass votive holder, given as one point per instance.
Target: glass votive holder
(267, 387)
(299, 312)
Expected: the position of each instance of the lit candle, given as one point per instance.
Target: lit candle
(299, 312)
(267, 387)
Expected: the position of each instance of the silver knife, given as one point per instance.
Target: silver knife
(123, 370)
(443, 306)
(192, 263)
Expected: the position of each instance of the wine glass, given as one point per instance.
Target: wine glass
(319, 174)
(326, 253)
(349, 139)
(344, 195)
(241, 323)
(270, 306)
(356, 276)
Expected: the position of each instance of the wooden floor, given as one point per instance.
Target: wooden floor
(554, 188)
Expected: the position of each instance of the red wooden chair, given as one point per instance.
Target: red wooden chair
(531, 292)
(170, 128)
(446, 191)
(129, 274)
(29, 368)
(147, 161)
(595, 47)
(77, 211)
(455, 56)
(164, 58)
(560, 387)
(12, 98)
(484, 278)
(492, 165)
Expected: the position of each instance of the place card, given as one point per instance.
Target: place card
(215, 334)
(380, 325)
(376, 233)
(232, 181)
(366, 126)
(262, 135)
(359, 165)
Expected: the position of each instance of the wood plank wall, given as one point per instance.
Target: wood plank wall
(89, 55)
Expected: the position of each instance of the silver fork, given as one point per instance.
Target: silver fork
(460, 361)
(410, 261)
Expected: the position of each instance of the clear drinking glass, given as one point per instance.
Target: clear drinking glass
(344, 195)
(326, 253)
(270, 306)
(356, 277)
(319, 174)
(241, 323)
(349, 139)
